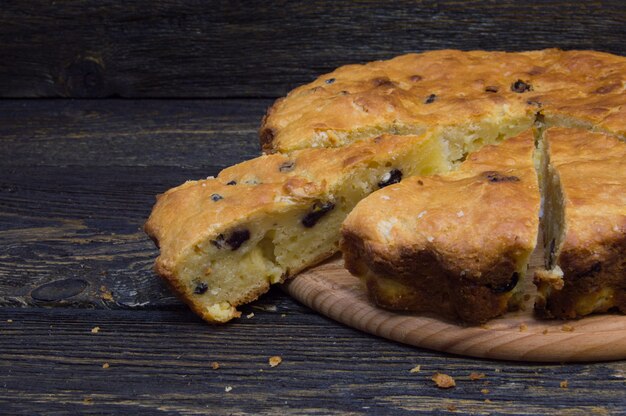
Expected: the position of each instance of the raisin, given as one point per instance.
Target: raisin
(317, 212)
(506, 287)
(419, 182)
(216, 197)
(492, 88)
(287, 166)
(431, 99)
(389, 178)
(493, 176)
(232, 183)
(201, 288)
(520, 86)
(330, 81)
(234, 241)
(237, 238)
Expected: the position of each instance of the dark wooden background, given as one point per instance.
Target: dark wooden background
(196, 48)
(78, 179)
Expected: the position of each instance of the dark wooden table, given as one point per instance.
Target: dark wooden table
(85, 325)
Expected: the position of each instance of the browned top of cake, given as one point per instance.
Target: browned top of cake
(409, 93)
(470, 220)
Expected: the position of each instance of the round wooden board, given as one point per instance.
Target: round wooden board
(332, 291)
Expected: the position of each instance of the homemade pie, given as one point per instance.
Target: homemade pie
(457, 244)
(334, 141)
(224, 240)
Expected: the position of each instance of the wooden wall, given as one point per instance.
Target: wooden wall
(195, 48)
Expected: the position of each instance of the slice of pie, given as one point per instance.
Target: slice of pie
(454, 245)
(224, 240)
(584, 183)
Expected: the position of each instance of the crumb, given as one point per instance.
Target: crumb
(443, 381)
(105, 365)
(95, 329)
(87, 400)
(523, 327)
(476, 376)
(487, 401)
(271, 308)
(567, 328)
(485, 391)
(10, 321)
(275, 360)
(227, 389)
(106, 294)
(564, 384)
(215, 365)
(497, 370)
(451, 408)
(250, 315)
(416, 369)
(282, 315)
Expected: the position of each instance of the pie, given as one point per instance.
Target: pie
(456, 245)
(335, 141)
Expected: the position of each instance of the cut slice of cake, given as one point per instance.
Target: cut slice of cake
(224, 240)
(455, 245)
(584, 223)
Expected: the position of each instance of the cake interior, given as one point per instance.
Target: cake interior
(293, 236)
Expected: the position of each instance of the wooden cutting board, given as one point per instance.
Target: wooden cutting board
(332, 291)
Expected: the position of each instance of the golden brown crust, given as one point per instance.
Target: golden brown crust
(198, 211)
(452, 244)
(591, 168)
(412, 92)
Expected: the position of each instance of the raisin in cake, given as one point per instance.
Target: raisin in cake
(584, 185)
(223, 241)
(455, 245)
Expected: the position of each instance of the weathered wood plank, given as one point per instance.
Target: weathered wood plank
(51, 362)
(184, 133)
(79, 178)
(192, 48)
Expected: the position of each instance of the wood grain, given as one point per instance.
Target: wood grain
(160, 363)
(78, 179)
(192, 48)
(330, 289)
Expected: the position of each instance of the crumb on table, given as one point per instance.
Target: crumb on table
(443, 381)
